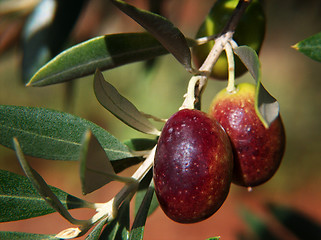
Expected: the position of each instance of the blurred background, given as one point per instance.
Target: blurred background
(292, 78)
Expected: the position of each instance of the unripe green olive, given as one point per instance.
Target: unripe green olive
(250, 31)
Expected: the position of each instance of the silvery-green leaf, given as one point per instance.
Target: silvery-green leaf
(141, 192)
(95, 233)
(162, 29)
(25, 236)
(137, 230)
(20, 200)
(266, 106)
(310, 47)
(41, 186)
(51, 134)
(140, 144)
(96, 169)
(122, 108)
(103, 52)
(118, 229)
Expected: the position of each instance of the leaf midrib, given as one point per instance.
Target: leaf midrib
(89, 63)
(54, 139)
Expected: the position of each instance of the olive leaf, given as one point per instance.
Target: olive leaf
(310, 47)
(137, 230)
(110, 98)
(20, 200)
(266, 106)
(95, 233)
(118, 229)
(25, 236)
(162, 29)
(96, 169)
(143, 187)
(140, 144)
(103, 52)
(44, 190)
(55, 135)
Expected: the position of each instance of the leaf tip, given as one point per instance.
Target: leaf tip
(98, 75)
(295, 46)
(262, 119)
(16, 144)
(35, 81)
(15, 140)
(97, 71)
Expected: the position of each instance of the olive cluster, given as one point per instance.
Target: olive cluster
(200, 154)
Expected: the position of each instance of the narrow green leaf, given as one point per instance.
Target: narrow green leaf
(95, 168)
(162, 29)
(41, 186)
(141, 192)
(20, 200)
(103, 52)
(137, 230)
(24, 236)
(45, 33)
(310, 47)
(53, 135)
(95, 233)
(250, 60)
(118, 229)
(109, 97)
(297, 222)
(122, 164)
(214, 238)
(266, 106)
(140, 144)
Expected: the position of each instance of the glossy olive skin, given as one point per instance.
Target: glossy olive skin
(258, 151)
(250, 31)
(193, 166)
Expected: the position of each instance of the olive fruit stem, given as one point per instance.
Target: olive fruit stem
(231, 68)
(215, 53)
(198, 82)
(127, 190)
(192, 92)
(108, 211)
(203, 40)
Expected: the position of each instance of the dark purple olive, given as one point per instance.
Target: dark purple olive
(193, 166)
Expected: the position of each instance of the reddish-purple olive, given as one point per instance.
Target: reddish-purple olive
(193, 166)
(257, 150)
